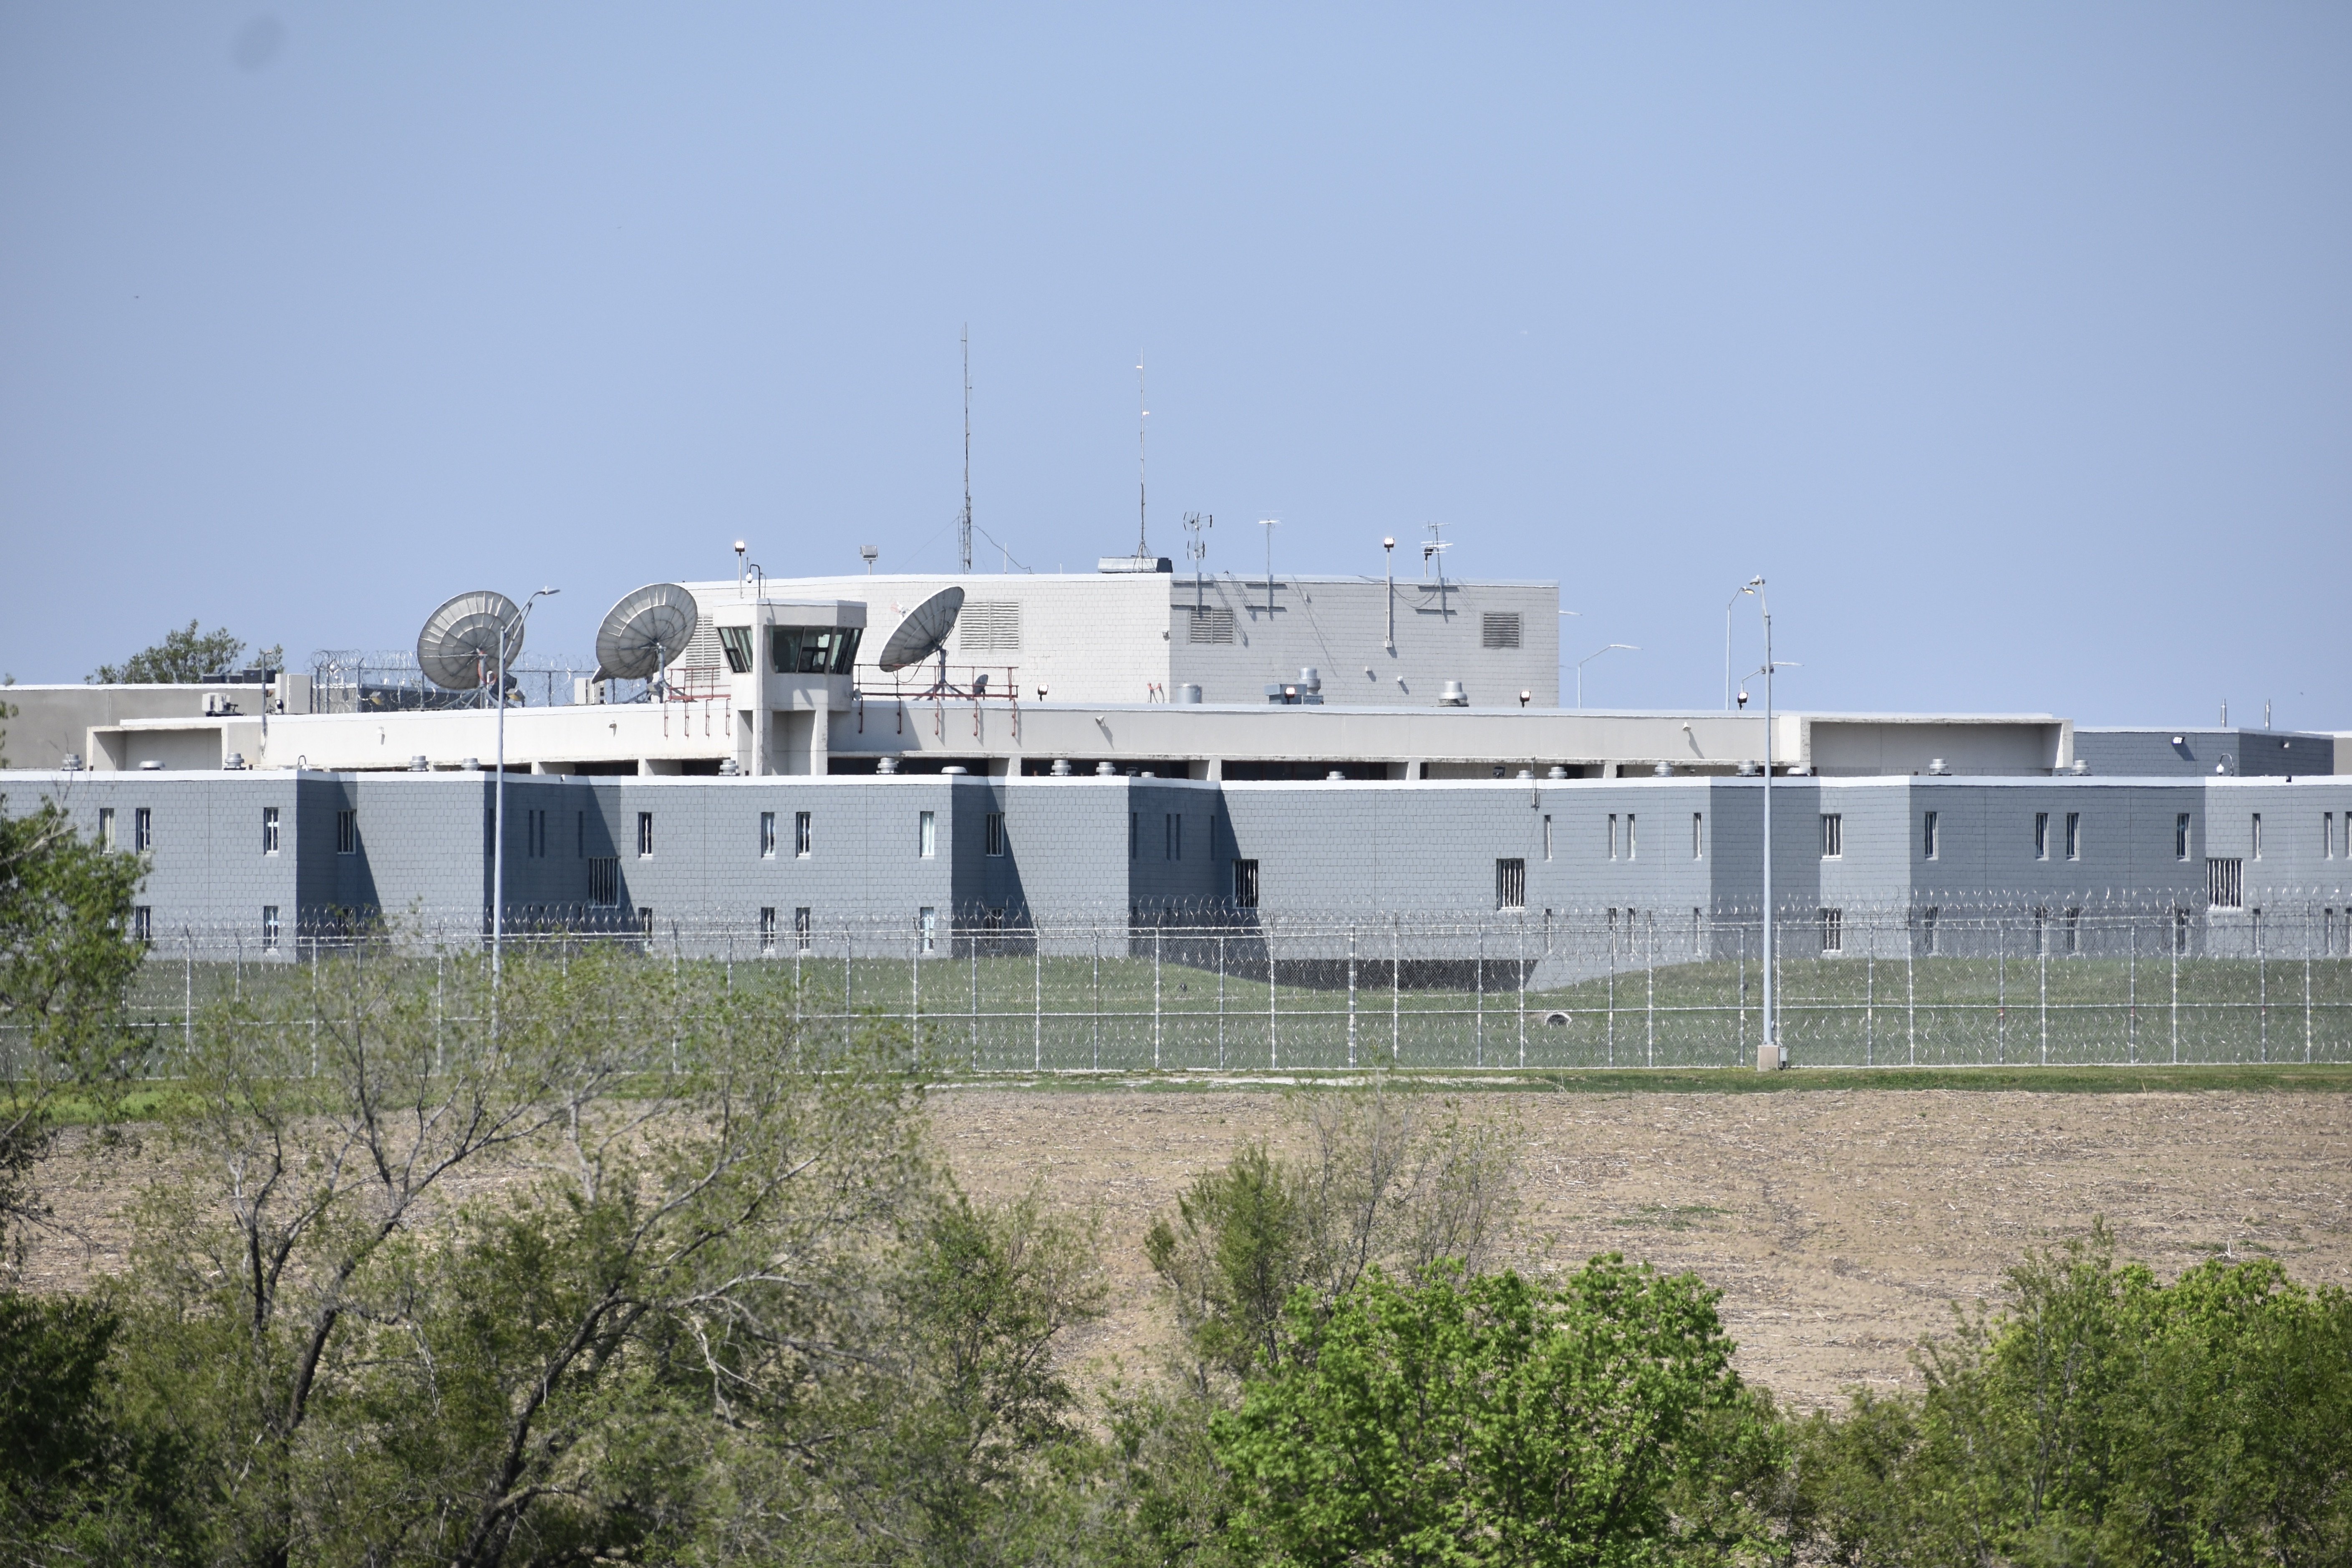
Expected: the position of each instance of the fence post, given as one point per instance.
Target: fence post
(188, 1000)
(1097, 996)
(1351, 996)
(1479, 1041)
(1156, 932)
(2172, 935)
(848, 975)
(2042, 982)
(915, 987)
(2000, 991)
(1870, 1001)
(1273, 1054)
(1036, 996)
(1220, 1001)
(1650, 999)
(1910, 998)
(1523, 989)
(1611, 1026)
(2262, 993)
(1396, 988)
(974, 939)
(2306, 983)
(1743, 994)
(440, 1008)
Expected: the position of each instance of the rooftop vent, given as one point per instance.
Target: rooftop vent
(1664, 770)
(472, 764)
(886, 766)
(1935, 766)
(1061, 768)
(1188, 691)
(1557, 772)
(418, 764)
(1748, 770)
(1126, 564)
(152, 765)
(1105, 770)
(1334, 776)
(71, 762)
(1451, 695)
(2081, 769)
(234, 762)
(728, 768)
(952, 771)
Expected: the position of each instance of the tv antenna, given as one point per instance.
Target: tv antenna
(644, 634)
(467, 637)
(1142, 549)
(1197, 524)
(1434, 548)
(964, 530)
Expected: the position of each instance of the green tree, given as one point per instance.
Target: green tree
(1484, 1419)
(2099, 1415)
(183, 655)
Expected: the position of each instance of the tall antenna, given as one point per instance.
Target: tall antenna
(1141, 474)
(963, 529)
(1197, 547)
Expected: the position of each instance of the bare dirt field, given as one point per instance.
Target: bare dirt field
(1838, 1225)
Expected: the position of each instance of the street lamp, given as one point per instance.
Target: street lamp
(499, 813)
(1768, 1049)
(1588, 658)
(1727, 606)
(1387, 566)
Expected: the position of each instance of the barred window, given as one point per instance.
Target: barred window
(347, 832)
(2225, 884)
(993, 833)
(143, 828)
(2042, 836)
(1510, 884)
(604, 881)
(1833, 835)
(1928, 837)
(1245, 884)
(1833, 931)
(2180, 837)
(142, 923)
(1498, 629)
(927, 834)
(801, 835)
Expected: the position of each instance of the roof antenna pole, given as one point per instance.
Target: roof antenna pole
(964, 530)
(1142, 549)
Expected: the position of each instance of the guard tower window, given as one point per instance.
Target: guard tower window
(1498, 629)
(1833, 837)
(735, 642)
(1245, 884)
(1510, 884)
(347, 832)
(644, 834)
(269, 830)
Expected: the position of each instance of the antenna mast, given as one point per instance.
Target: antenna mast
(1142, 473)
(963, 528)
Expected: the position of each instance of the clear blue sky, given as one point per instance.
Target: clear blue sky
(2012, 343)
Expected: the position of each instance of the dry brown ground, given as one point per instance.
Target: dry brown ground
(1838, 1224)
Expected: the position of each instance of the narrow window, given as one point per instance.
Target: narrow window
(2180, 930)
(579, 836)
(2328, 835)
(143, 828)
(1134, 831)
(767, 835)
(2255, 918)
(142, 923)
(1612, 836)
(801, 927)
(2257, 835)
(1547, 836)
(2041, 931)
(767, 928)
(1629, 836)
(644, 834)
(268, 829)
(735, 642)
(1245, 884)
(992, 833)
(1833, 835)
(802, 835)
(927, 921)
(1927, 837)
(604, 881)
(1698, 836)
(1510, 884)
(1927, 930)
(2180, 837)
(1172, 836)
(2074, 838)
(269, 928)
(347, 833)
(645, 924)
(1833, 931)
(2042, 836)
(2074, 930)
(927, 834)
(106, 828)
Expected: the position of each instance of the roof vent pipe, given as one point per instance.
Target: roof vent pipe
(418, 764)
(1664, 770)
(1935, 766)
(1451, 695)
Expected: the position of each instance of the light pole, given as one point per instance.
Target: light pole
(1768, 1048)
(1388, 568)
(1588, 658)
(1270, 525)
(1727, 606)
(498, 812)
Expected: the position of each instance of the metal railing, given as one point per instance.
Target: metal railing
(1188, 991)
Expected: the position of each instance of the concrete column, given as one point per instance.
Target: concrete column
(820, 741)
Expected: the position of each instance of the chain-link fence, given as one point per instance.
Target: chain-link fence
(1601, 988)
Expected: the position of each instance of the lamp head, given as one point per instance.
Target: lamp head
(1388, 543)
(738, 547)
(1743, 699)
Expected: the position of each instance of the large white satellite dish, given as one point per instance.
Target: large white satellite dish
(645, 632)
(924, 631)
(459, 649)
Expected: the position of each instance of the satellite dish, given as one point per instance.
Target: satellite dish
(645, 632)
(459, 644)
(924, 631)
